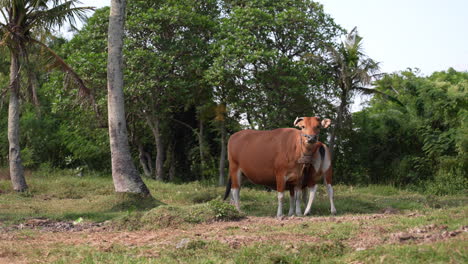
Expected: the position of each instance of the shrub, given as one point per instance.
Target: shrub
(174, 216)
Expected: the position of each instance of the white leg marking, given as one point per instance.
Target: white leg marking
(297, 198)
(279, 213)
(236, 198)
(291, 205)
(312, 191)
(330, 195)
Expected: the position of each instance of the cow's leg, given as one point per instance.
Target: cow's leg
(312, 191)
(236, 198)
(236, 177)
(297, 199)
(328, 181)
(279, 212)
(280, 187)
(291, 202)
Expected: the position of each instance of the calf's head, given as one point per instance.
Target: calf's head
(310, 127)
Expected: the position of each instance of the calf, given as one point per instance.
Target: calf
(316, 167)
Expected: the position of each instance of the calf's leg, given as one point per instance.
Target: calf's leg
(328, 181)
(291, 202)
(312, 191)
(297, 199)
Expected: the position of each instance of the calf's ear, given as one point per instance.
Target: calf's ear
(326, 123)
(298, 120)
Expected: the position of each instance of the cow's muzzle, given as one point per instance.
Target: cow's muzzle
(310, 138)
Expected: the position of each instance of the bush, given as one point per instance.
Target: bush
(174, 216)
(447, 183)
(224, 211)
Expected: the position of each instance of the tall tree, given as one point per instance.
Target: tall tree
(126, 177)
(167, 55)
(269, 51)
(352, 71)
(22, 18)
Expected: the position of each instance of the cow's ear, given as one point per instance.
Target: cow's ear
(326, 123)
(298, 119)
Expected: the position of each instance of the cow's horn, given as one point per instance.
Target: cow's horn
(297, 120)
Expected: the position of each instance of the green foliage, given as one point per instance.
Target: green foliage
(224, 211)
(421, 144)
(197, 70)
(450, 178)
(266, 65)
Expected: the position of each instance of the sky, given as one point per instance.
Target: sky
(431, 35)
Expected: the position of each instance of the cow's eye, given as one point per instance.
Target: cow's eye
(302, 127)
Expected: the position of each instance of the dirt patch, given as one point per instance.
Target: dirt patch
(424, 234)
(374, 236)
(49, 225)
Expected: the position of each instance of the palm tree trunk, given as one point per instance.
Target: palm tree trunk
(200, 142)
(124, 174)
(16, 167)
(222, 157)
(338, 125)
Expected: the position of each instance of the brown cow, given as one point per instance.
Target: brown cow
(271, 158)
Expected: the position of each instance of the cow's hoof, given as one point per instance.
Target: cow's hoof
(280, 217)
(290, 213)
(333, 212)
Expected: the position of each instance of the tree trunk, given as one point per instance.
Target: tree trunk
(338, 125)
(159, 151)
(16, 167)
(222, 157)
(200, 142)
(172, 165)
(154, 124)
(145, 161)
(124, 174)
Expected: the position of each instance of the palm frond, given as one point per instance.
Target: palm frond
(61, 64)
(369, 91)
(57, 16)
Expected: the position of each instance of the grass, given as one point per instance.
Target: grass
(188, 223)
(439, 252)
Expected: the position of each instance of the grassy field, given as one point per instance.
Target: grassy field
(69, 219)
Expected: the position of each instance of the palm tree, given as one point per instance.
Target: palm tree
(124, 174)
(352, 71)
(20, 19)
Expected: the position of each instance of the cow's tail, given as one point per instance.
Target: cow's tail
(228, 188)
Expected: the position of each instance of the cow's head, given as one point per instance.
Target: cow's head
(310, 127)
